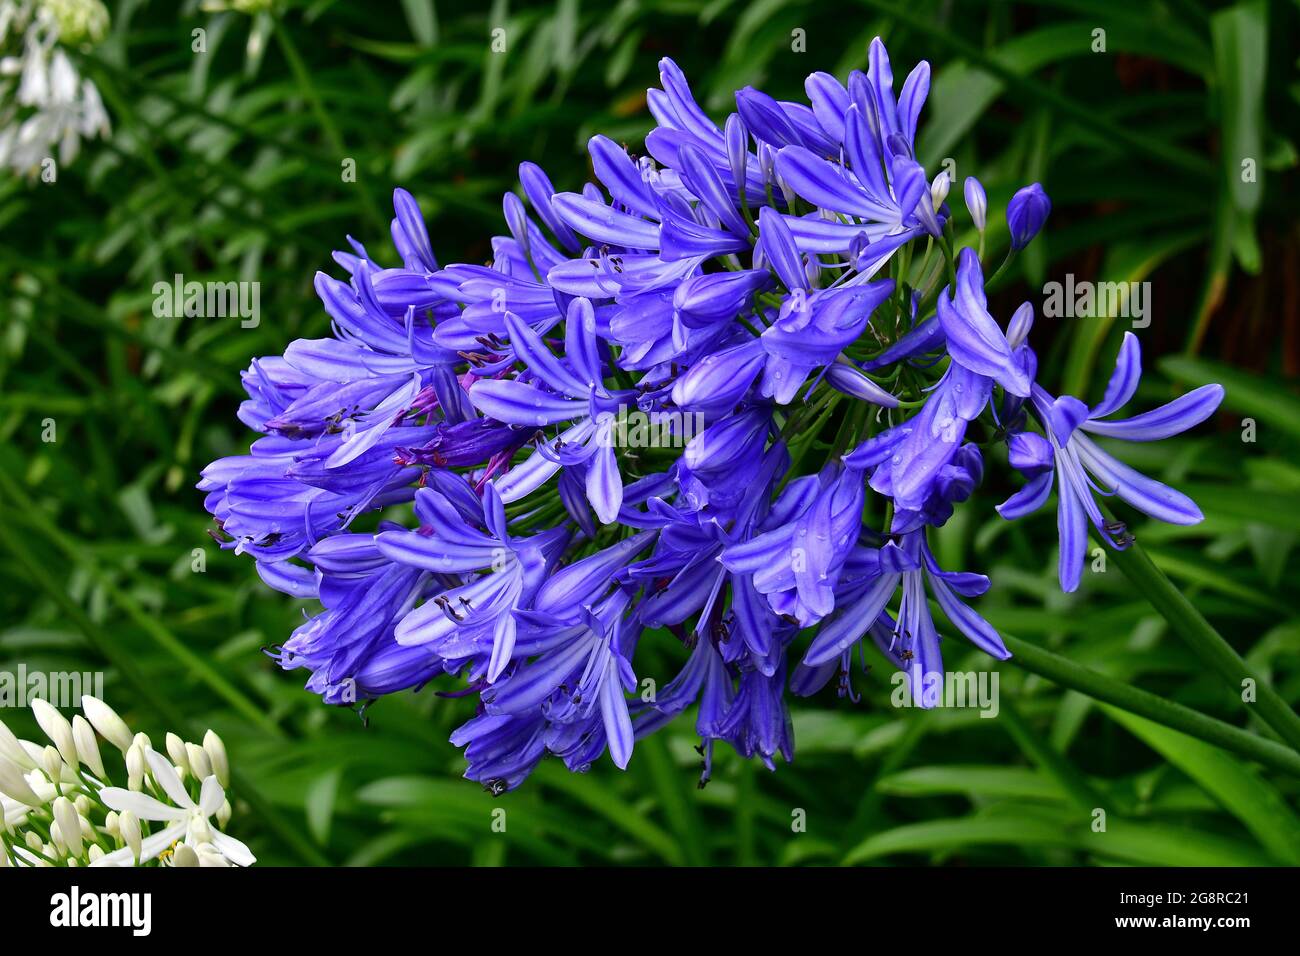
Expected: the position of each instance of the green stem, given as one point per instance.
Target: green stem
(1205, 641)
(1067, 673)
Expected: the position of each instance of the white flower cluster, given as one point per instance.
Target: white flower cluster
(51, 795)
(45, 105)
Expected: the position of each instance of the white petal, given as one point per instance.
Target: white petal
(152, 846)
(12, 748)
(211, 796)
(232, 849)
(166, 776)
(142, 805)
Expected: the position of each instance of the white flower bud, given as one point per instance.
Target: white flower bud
(33, 841)
(135, 767)
(223, 814)
(35, 754)
(939, 189)
(96, 852)
(58, 729)
(184, 855)
(52, 761)
(4, 858)
(69, 824)
(83, 804)
(11, 747)
(72, 861)
(112, 825)
(176, 751)
(200, 766)
(87, 749)
(104, 719)
(977, 203)
(14, 786)
(143, 740)
(216, 751)
(129, 827)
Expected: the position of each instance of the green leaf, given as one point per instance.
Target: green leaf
(319, 803)
(423, 20)
(604, 801)
(1145, 843)
(1240, 35)
(973, 780)
(1239, 788)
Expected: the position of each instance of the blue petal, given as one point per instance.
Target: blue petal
(614, 716)
(1186, 411)
(521, 404)
(1124, 380)
(604, 484)
(828, 185)
(605, 224)
(537, 357)
(1065, 415)
(849, 626)
(703, 180)
(1072, 528)
(778, 245)
(979, 631)
(619, 174)
(1146, 494)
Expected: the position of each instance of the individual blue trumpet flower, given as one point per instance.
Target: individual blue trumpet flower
(906, 461)
(577, 680)
(459, 535)
(1080, 466)
(796, 559)
(915, 640)
(350, 647)
(974, 339)
(883, 198)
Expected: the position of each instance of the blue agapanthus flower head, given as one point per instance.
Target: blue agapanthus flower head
(659, 416)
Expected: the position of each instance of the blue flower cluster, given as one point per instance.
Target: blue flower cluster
(464, 478)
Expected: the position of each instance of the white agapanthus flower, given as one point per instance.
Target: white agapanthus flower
(46, 107)
(187, 820)
(51, 795)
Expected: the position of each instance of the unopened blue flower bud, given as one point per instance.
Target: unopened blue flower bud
(1026, 214)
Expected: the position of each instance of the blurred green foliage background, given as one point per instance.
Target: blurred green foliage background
(227, 164)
